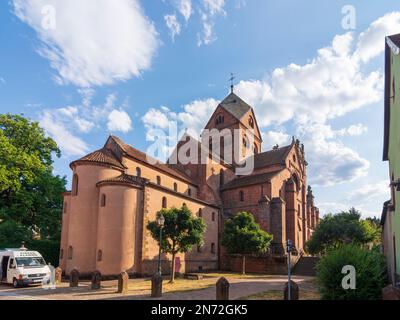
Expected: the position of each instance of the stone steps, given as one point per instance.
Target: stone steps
(306, 266)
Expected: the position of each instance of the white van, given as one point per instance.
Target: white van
(21, 267)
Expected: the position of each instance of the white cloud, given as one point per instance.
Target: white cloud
(363, 199)
(119, 120)
(306, 97)
(66, 124)
(371, 41)
(329, 86)
(368, 193)
(173, 25)
(192, 119)
(185, 8)
(69, 144)
(214, 6)
(93, 44)
(353, 130)
(331, 162)
(211, 9)
(272, 138)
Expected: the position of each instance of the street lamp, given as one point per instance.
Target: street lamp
(289, 247)
(160, 223)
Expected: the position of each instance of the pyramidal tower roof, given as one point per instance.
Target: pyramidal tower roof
(235, 105)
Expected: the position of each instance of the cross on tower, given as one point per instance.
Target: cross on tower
(231, 79)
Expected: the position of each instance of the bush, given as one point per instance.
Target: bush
(49, 249)
(370, 268)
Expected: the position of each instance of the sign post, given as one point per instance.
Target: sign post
(288, 250)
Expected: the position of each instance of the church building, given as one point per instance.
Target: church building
(118, 189)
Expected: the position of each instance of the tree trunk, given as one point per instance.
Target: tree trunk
(243, 264)
(173, 269)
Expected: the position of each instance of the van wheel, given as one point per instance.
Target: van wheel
(15, 283)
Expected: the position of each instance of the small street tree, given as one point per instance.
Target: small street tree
(242, 235)
(182, 230)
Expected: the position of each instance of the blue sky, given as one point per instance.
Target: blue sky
(129, 67)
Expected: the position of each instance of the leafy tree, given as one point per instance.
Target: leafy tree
(342, 228)
(242, 235)
(182, 230)
(25, 151)
(30, 196)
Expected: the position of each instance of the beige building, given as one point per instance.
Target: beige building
(116, 191)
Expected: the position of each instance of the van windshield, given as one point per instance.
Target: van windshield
(30, 262)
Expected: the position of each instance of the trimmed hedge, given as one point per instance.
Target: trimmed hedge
(49, 249)
(371, 275)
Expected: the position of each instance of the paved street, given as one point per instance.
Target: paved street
(240, 287)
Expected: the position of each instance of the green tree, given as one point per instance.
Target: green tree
(242, 235)
(342, 228)
(182, 230)
(30, 196)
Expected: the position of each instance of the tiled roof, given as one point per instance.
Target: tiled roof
(271, 157)
(141, 156)
(249, 180)
(102, 156)
(126, 179)
(235, 105)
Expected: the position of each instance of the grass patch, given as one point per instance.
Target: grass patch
(180, 285)
(278, 295)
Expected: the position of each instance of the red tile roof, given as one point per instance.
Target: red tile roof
(143, 157)
(250, 180)
(125, 179)
(104, 156)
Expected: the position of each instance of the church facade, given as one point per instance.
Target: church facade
(118, 189)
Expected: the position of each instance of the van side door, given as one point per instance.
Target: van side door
(12, 266)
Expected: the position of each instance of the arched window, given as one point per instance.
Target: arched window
(99, 255)
(164, 202)
(251, 122)
(200, 213)
(103, 200)
(241, 196)
(210, 145)
(62, 254)
(199, 249)
(221, 177)
(294, 158)
(219, 119)
(159, 180)
(246, 142)
(75, 185)
(65, 207)
(175, 187)
(189, 192)
(138, 172)
(212, 248)
(255, 149)
(213, 216)
(70, 252)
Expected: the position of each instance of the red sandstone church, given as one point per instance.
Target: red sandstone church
(116, 190)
